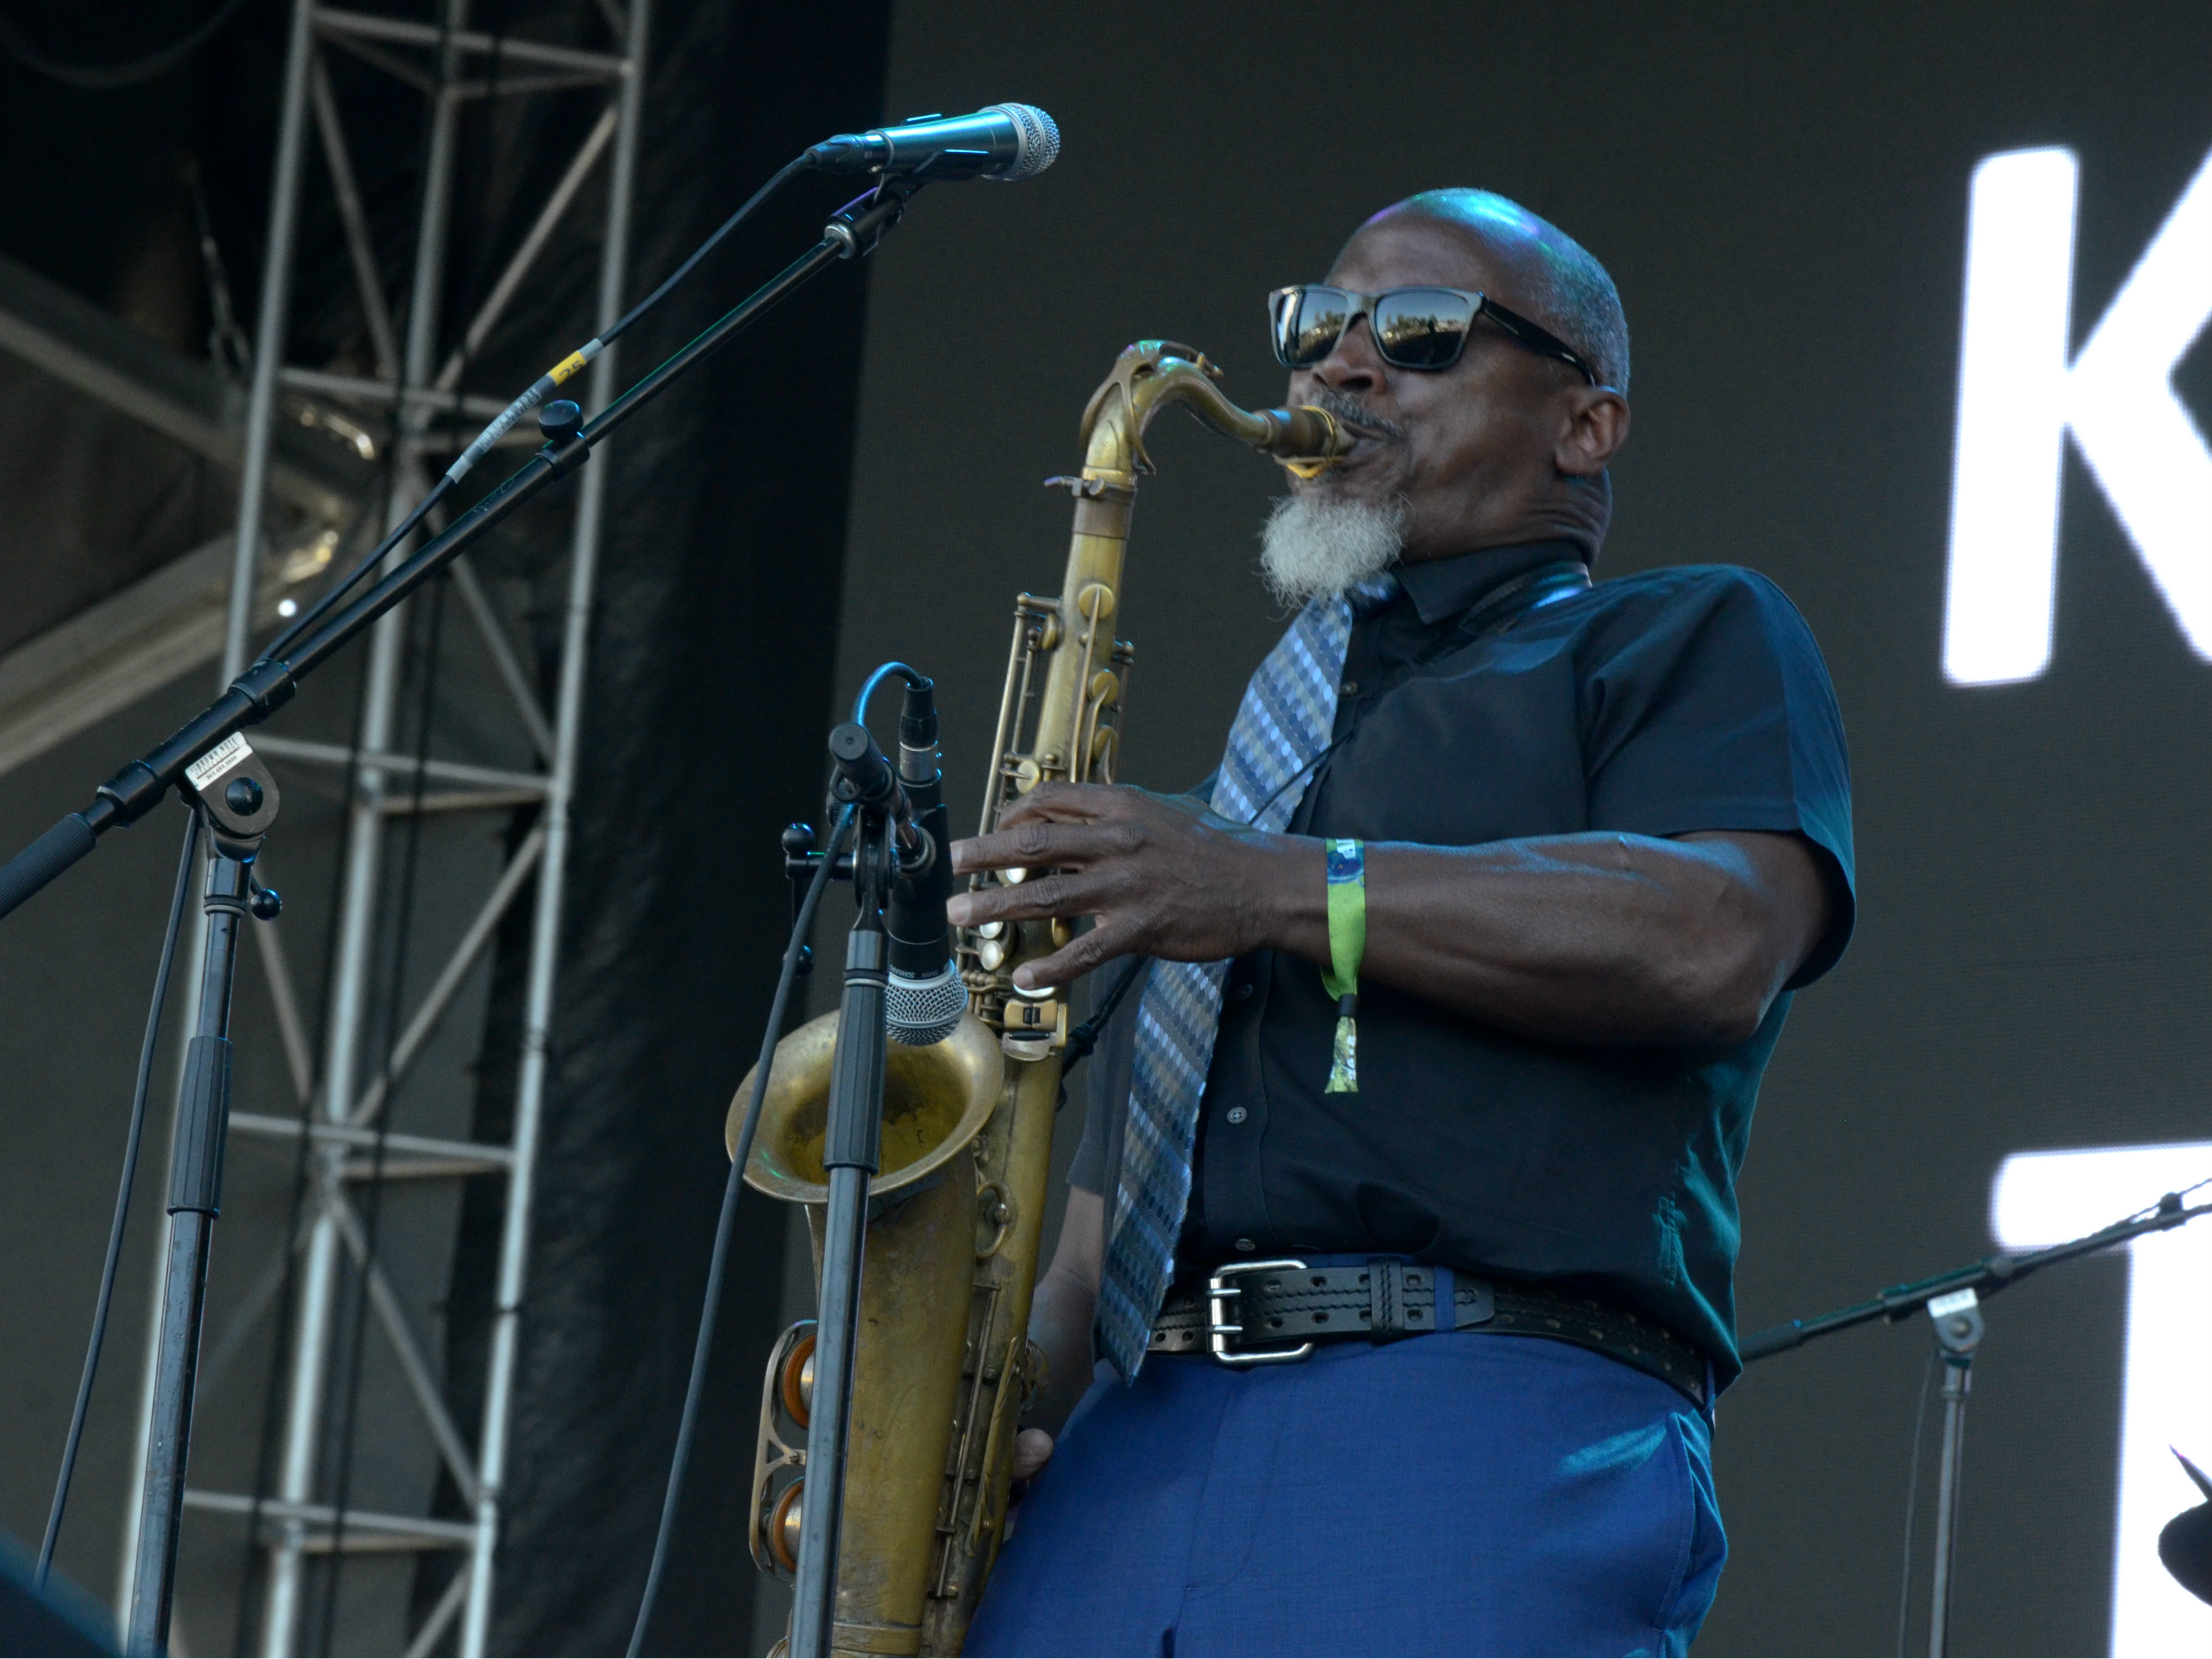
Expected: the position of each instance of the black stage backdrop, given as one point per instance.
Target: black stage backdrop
(1782, 194)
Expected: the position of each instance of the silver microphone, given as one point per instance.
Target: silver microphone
(920, 1011)
(1006, 143)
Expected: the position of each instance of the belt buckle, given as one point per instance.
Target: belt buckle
(1218, 1290)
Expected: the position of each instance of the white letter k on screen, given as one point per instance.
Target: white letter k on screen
(2018, 397)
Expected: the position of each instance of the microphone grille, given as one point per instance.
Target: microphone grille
(919, 1012)
(1037, 137)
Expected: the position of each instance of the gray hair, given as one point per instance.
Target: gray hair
(1574, 297)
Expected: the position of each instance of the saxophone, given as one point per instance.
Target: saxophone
(944, 1365)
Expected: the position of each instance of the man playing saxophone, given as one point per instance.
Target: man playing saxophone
(1403, 1228)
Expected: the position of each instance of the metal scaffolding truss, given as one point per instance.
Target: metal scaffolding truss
(420, 364)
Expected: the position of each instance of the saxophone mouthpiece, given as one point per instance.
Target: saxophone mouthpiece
(1311, 440)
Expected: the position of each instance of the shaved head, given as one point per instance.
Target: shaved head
(1556, 280)
(1504, 447)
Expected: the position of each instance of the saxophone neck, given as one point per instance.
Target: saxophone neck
(1151, 375)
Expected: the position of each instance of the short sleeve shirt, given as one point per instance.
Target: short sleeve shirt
(1484, 705)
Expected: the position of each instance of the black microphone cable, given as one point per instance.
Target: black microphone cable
(542, 388)
(132, 1141)
(688, 1428)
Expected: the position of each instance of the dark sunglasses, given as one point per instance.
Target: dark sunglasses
(1418, 328)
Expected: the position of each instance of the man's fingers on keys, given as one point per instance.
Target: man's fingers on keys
(1061, 893)
(1063, 803)
(1078, 956)
(1035, 843)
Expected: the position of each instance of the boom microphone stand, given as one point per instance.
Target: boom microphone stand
(208, 751)
(1954, 1302)
(888, 843)
(237, 799)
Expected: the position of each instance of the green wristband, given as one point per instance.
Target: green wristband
(1347, 916)
(1347, 945)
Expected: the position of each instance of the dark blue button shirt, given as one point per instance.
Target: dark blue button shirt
(1492, 700)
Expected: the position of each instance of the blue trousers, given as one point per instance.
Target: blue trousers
(1456, 1493)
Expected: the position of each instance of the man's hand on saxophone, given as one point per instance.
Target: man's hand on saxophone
(1161, 875)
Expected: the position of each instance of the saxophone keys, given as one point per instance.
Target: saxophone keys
(784, 1524)
(994, 1220)
(797, 1384)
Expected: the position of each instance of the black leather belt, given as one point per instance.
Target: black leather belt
(1261, 1313)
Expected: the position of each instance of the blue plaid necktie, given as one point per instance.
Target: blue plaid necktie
(1283, 724)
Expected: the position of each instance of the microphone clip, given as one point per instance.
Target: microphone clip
(860, 227)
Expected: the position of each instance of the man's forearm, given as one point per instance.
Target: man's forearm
(1601, 938)
(1059, 1324)
(1066, 1301)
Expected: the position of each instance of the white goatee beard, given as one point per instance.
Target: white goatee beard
(1316, 547)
